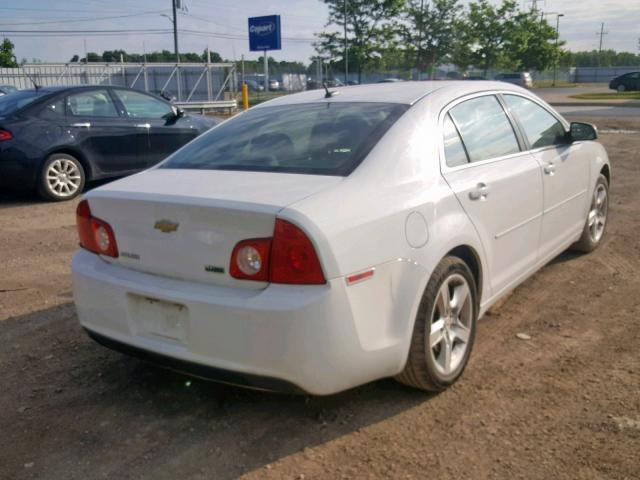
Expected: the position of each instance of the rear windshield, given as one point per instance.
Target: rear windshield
(10, 103)
(317, 138)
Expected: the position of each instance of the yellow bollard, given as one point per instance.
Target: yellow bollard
(245, 96)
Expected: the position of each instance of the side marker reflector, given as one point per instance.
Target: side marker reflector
(360, 277)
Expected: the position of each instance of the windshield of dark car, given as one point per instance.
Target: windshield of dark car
(10, 103)
(316, 138)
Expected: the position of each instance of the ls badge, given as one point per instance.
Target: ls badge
(166, 226)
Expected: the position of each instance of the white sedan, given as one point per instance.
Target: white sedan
(320, 241)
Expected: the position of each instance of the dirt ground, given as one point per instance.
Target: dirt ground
(563, 405)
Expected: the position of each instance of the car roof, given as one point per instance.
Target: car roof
(406, 93)
(61, 88)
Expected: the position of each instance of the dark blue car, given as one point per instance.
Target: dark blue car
(54, 140)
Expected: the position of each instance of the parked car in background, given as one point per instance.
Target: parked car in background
(628, 81)
(252, 85)
(522, 79)
(5, 89)
(390, 80)
(55, 139)
(317, 243)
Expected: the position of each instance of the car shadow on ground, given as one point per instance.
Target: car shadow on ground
(116, 415)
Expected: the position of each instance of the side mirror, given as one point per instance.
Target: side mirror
(177, 112)
(582, 131)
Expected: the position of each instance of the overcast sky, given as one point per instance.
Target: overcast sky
(300, 20)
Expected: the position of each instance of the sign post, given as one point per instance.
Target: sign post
(264, 35)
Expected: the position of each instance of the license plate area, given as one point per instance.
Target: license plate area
(158, 318)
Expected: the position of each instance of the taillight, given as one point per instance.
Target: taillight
(289, 257)
(5, 135)
(95, 235)
(250, 260)
(293, 257)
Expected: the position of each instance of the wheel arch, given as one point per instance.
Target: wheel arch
(470, 256)
(606, 171)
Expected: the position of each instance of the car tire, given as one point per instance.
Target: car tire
(621, 88)
(438, 359)
(62, 177)
(596, 222)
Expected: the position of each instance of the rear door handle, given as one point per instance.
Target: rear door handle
(550, 168)
(143, 125)
(81, 125)
(480, 192)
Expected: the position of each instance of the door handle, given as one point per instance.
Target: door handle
(550, 168)
(480, 192)
(143, 125)
(81, 125)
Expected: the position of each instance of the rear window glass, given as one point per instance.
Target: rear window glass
(17, 100)
(317, 138)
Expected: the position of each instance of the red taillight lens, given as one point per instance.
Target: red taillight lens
(289, 257)
(293, 257)
(5, 135)
(95, 235)
(250, 260)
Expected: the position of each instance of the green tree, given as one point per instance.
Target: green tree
(530, 43)
(7, 57)
(487, 29)
(428, 31)
(370, 32)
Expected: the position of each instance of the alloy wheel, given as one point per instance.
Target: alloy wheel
(598, 213)
(451, 321)
(63, 178)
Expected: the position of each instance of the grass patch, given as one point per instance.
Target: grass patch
(549, 84)
(608, 96)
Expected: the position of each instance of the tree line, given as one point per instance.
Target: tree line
(420, 34)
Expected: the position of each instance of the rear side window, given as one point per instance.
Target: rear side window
(94, 103)
(485, 129)
(139, 105)
(540, 127)
(454, 151)
(53, 109)
(315, 138)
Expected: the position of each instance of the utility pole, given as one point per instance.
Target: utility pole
(346, 47)
(175, 30)
(555, 63)
(602, 33)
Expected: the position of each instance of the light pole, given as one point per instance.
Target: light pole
(557, 56)
(346, 47)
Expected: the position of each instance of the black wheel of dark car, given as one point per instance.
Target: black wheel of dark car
(621, 88)
(596, 221)
(61, 178)
(444, 329)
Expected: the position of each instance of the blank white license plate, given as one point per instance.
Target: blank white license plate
(159, 318)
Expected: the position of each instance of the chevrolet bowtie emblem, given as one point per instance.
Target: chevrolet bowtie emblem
(166, 226)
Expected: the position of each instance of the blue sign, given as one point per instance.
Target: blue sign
(264, 33)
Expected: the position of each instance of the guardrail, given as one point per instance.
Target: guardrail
(229, 105)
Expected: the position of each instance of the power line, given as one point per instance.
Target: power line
(86, 19)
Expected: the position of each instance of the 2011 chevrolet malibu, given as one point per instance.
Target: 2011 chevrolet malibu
(324, 240)
(54, 139)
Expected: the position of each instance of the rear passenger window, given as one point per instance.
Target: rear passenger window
(484, 128)
(453, 149)
(92, 103)
(540, 127)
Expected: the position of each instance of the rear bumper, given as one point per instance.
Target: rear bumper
(285, 337)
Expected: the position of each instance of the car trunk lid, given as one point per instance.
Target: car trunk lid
(184, 223)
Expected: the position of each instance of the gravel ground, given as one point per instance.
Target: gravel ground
(564, 404)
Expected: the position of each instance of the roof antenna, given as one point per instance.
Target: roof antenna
(35, 85)
(328, 93)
